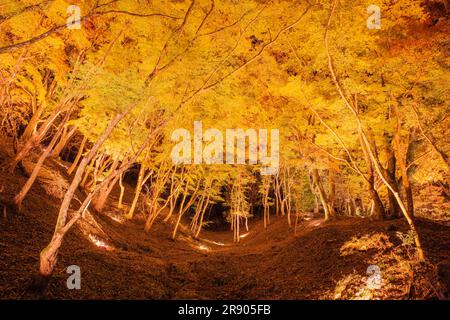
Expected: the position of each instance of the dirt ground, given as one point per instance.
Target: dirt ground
(322, 260)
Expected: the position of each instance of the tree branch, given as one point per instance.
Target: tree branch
(91, 14)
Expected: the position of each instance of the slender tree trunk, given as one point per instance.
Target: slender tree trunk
(30, 130)
(322, 195)
(88, 172)
(183, 207)
(78, 157)
(332, 185)
(122, 191)
(100, 201)
(137, 192)
(391, 168)
(200, 223)
(18, 199)
(34, 140)
(65, 137)
(378, 206)
(286, 202)
(316, 209)
(174, 193)
(97, 167)
(266, 190)
(277, 192)
(402, 148)
(157, 190)
(49, 253)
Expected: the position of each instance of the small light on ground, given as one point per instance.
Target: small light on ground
(99, 243)
(117, 219)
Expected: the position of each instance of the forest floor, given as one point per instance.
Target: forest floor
(118, 260)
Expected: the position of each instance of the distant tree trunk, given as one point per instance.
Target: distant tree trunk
(265, 194)
(100, 201)
(157, 189)
(30, 130)
(279, 210)
(88, 171)
(350, 206)
(378, 206)
(100, 166)
(122, 191)
(408, 192)
(137, 192)
(175, 189)
(198, 210)
(287, 194)
(183, 208)
(200, 223)
(100, 204)
(65, 137)
(402, 148)
(332, 185)
(391, 168)
(78, 157)
(329, 212)
(316, 209)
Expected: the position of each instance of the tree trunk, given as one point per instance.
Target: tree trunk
(50, 252)
(122, 191)
(378, 206)
(106, 190)
(65, 137)
(33, 141)
(183, 207)
(27, 186)
(49, 255)
(137, 192)
(391, 168)
(266, 190)
(200, 223)
(402, 148)
(87, 172)
(30, 130)
(322, 195)
(331, 184)
(78, 157)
